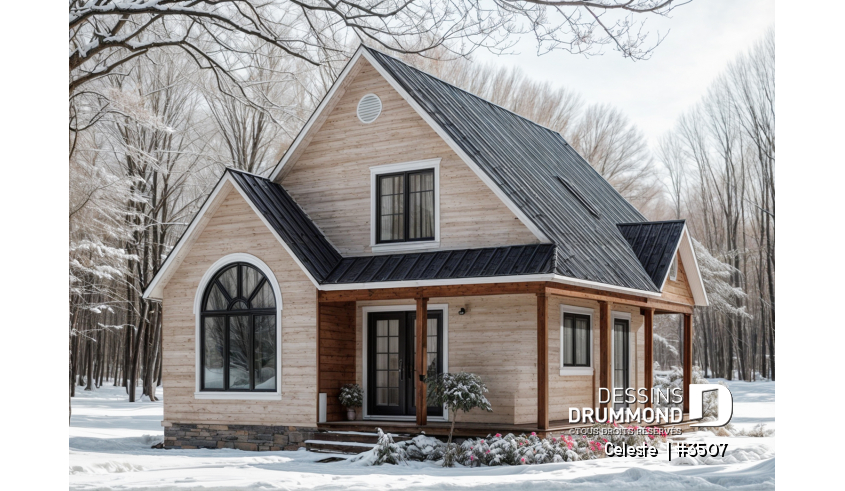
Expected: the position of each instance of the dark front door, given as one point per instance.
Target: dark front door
(621, 359)
(391, 341)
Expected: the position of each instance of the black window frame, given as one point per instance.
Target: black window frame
(564, 347)
(227, 314)
(406, 206)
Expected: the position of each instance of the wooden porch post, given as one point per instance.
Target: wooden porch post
(648, 313)
(605, 331)
(542, 362)
(687, 359)
(421, 360)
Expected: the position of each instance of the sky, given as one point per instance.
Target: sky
(704, 36)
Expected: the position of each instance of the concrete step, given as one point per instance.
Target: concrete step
(355, 436)
(328, 446)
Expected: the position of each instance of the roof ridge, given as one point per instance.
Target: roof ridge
(491, 103)
(241, 171)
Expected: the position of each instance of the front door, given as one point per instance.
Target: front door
(391, 347)
(621, 358)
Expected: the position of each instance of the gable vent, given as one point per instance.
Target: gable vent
(369, 108)
(572, 189)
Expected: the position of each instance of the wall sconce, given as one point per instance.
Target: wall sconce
(462, 311)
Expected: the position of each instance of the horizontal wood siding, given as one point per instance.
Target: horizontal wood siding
(497, 340)
(581, 391)
(337, 354)
(678, 290)
(234, 227)
(331, 177)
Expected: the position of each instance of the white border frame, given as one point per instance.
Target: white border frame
(358, 108)
(570, 371)
(238, 257)
(401, 308)
(378, 170)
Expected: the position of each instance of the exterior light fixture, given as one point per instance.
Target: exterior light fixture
(462, 311)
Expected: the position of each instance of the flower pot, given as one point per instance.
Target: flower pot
(350, 413)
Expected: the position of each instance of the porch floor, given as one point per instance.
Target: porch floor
(441, 428)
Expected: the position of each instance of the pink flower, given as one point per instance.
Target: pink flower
(533, 433)
(488, 451)
(523, 459)
(498, 435)
(471, 457)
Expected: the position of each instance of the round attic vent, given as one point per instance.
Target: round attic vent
(369, 108)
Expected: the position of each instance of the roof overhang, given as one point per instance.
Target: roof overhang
(288, 158)
(696, 282)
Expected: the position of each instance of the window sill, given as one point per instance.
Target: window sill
(405, 246)
(576, 371)
(240, 396)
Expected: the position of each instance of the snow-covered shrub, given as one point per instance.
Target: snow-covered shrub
(460, 391)
(386, 451)
(423, 448)
(351, 395)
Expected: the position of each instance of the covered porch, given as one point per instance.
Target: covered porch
(340, 349)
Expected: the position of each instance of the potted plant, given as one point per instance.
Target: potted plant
(351, 396)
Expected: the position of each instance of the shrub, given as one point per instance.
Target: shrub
(351, 395)
(460, 391)
(386, 451)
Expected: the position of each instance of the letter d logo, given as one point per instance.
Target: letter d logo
(724, 403)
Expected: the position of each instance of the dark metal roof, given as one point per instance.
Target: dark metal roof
(291, 223)
(526, 161)
(463, 263)
(654, 243)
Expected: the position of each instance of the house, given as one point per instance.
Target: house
(411, 227)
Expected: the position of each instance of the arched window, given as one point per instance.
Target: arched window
(238, 331)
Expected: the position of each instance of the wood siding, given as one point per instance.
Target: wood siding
(678, 290)
(497, 340)
(581, 391)
(331, 177)
(234, 227)
(336, 354)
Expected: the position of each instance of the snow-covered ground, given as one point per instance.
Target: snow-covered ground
(110, 441)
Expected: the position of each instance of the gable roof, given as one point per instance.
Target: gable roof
(655, 244)
(527, 162)
(291, 222)
(569, 206)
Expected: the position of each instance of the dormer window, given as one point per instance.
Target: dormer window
(405, 206)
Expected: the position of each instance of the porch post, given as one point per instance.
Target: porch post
(421, 361)
(648, 314)
(687, 359)
(542, 362)
(605, 331)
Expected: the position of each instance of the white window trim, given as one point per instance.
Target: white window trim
(572, 371)
(238, 257)
(375, 171)
(402, 308)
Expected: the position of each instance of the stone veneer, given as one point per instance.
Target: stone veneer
(242, 437)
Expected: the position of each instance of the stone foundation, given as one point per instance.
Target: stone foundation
(241, 437)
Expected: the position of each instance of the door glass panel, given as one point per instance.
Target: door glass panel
(387, 362)
(264, 360)
(239, 352)
(214, 352)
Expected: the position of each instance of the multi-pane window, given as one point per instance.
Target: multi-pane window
(405, 207)
(576, 340)
(238, 332)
